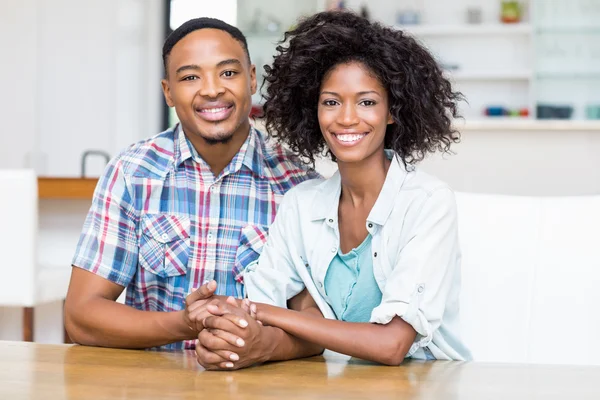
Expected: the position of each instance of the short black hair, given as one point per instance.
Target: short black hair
(421, 100)
(196, 24)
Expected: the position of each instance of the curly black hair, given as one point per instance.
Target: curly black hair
(421, 100)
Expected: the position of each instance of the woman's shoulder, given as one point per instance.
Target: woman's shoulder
(423, 183)
(309, 189)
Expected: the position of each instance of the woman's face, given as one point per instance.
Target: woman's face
(353, 112)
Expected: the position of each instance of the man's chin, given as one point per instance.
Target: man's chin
(213, 141)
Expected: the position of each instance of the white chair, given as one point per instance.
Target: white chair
(531, 277)
(25, 282)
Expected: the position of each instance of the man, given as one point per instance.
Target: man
(190, 205)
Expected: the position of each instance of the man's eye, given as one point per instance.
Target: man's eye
(229, 74)
(190, 78)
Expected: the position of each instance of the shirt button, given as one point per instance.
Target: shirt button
(165, 236)
(209, 237)
(370, 225)
(333, 249)
(420, 289)
(321, 285)
(330, 220)
(375, 254)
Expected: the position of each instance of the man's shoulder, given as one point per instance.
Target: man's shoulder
(284, 168)
(151, 158)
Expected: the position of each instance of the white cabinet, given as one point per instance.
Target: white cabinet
(567, 38)
(18, 78)
(84, 76)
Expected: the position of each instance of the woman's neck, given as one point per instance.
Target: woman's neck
(362, 181)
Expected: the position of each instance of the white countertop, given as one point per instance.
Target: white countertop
(527, 125)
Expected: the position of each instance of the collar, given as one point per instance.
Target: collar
(250, 155)
(326, 203)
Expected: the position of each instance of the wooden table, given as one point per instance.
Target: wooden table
(52, 372)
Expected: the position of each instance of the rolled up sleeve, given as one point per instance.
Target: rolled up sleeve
(417, 290)
(273, 278)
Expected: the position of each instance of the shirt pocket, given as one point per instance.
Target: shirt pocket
(252, 240)
(165, 244)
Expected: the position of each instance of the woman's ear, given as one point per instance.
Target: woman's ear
(390, 119)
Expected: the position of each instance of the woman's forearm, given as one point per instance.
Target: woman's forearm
(385, 344)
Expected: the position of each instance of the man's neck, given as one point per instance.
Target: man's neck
(219, 155)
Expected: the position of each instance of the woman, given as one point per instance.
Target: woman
(376, 245)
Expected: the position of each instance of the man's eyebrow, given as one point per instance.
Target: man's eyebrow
(193, 67)
(229, 61)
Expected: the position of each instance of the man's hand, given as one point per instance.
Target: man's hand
(232, 338)
(195, 306)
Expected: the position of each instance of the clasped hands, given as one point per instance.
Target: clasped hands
(229, 334)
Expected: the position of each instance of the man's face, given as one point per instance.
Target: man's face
(210, 83)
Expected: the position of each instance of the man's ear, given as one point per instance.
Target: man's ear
(253, 84)
(167, 92)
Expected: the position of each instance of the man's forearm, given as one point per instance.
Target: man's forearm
(106, 323)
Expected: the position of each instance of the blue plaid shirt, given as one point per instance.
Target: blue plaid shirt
(161, 223)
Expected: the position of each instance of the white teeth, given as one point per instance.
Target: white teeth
(213, 110)
(349, 138)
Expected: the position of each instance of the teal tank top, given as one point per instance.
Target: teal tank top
(350, 286)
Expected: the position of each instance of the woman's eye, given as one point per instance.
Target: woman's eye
(368, 103)
(329, 103)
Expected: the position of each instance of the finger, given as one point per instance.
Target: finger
(203, 292)
(218, 345)
(195, 305)
(228, 337)
(232, 301)
(210, 360)
(197, 316)
(253, 310)
(213, 343)
(224, 309)
(231, 315)
(224, 324)
(218, 309)
(246, 305)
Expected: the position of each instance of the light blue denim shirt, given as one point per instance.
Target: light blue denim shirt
(415, 252)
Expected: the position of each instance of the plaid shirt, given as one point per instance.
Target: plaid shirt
(161, 223)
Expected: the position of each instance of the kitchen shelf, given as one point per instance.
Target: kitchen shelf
(512, 124)
(568, 75)
(569, 29)
(523, 75)
(66, 188)
(467, 29)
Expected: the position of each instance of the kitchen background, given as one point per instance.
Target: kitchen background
(85, 75)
